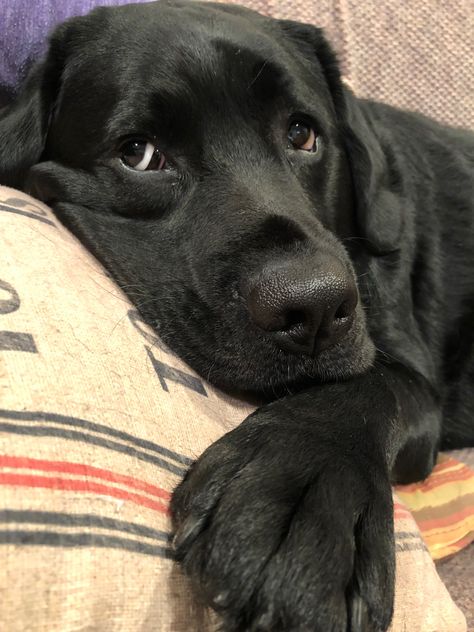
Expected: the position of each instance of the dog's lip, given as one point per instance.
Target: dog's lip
(354, 338)
(299, 374)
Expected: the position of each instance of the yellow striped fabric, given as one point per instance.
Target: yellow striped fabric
(443, 506)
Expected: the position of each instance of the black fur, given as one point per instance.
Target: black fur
(285, 523)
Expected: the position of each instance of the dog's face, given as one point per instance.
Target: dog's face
(198, 150)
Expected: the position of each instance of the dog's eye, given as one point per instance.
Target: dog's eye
(141, 155)
(302, 136)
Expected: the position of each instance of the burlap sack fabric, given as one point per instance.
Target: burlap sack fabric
(97, 423)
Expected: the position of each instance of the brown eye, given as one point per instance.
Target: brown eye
(302, 136)
(141, 155)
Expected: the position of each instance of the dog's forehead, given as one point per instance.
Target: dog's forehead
(163, 38)
(171, 64)
(188, 51)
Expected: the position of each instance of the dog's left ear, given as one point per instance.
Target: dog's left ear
(379, 212)
(24, 123)
(23, 127)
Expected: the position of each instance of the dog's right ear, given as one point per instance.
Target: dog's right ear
(24, 123)
(380, 207)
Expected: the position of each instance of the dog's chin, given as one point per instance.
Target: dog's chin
(279, 373)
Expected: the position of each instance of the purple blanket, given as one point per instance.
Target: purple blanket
(24, 28)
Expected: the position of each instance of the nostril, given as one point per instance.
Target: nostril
(294, 319)
(344, 310)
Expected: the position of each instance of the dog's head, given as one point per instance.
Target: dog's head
(214, 162)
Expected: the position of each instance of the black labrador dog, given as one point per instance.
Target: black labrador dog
(287, 240)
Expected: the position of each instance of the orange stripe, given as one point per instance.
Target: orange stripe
(437, 481)
(81, 469)
(449, 463)
(447, 535)
(438, 551)
(444, 509)
(401, 512)
(427, 525)
(65, 484)
(460, 544)
(459, 471)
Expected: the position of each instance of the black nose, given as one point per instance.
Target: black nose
(304, 308)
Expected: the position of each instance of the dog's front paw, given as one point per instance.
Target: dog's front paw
(282, 532)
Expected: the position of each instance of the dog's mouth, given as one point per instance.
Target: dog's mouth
(263, 367)
(231, 352)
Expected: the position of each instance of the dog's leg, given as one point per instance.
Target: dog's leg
(286, 522)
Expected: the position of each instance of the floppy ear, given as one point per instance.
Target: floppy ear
(24, 123)
(376, 178)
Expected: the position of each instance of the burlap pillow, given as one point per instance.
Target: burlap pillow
(98, 421)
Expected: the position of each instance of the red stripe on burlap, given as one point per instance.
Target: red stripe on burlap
(80, 469)
(74, 485)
